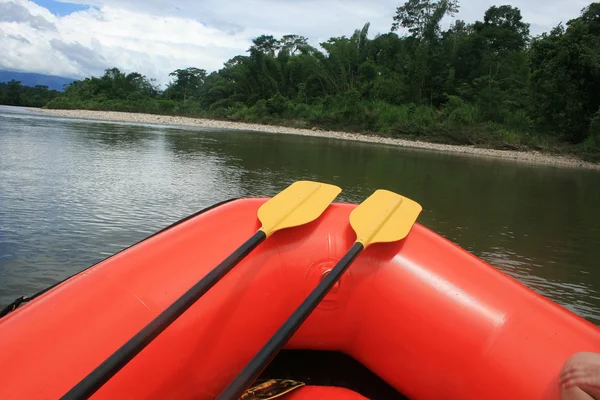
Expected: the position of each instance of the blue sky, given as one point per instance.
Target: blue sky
(155, 37)
(59, 8)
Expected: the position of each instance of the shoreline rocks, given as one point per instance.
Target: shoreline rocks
(532, 157)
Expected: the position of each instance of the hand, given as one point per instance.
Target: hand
(580, 374)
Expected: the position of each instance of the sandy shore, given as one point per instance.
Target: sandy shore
(529, 157)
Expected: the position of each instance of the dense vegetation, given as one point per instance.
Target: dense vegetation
(486, 83)
(14, 94)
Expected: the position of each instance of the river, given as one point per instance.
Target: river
(73, 192)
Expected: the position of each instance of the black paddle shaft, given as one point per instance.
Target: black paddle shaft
(260, 361)
(99, 376)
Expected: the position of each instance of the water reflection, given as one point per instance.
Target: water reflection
(73, 192)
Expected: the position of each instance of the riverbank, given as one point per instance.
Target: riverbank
(520, 156)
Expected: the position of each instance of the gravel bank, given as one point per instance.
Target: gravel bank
(529, 157)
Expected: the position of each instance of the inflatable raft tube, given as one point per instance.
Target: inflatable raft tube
(429, 318)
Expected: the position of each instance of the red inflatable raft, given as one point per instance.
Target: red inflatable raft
(427, 317)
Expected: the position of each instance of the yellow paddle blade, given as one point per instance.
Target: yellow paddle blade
(384, 217)
(299, 204)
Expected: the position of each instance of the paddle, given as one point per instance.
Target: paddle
(383, 217)
(299, 204)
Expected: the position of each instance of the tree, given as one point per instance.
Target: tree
(141, 85)
(187, 81)
(500, 75)
(503, 29)
(590, 17)
(265, 44)
(293, 44)
(420, 16)
(340, 70)
(14, 93)
(566, 76)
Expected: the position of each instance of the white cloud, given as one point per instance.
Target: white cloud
(155, 37)
(86, 42)
(13, 12)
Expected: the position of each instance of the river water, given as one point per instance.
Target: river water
(73, 192)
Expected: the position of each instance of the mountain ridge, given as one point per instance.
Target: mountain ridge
(33, 79)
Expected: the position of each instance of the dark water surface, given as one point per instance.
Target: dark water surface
(73, 192)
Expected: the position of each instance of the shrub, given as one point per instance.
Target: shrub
(422, 116)
(591, 145)
(595, 125)
(518, 120)
(276, 104)
(460, 112)
(389, 115)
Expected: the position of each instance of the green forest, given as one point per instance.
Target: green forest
(13, 93)
(487, 83)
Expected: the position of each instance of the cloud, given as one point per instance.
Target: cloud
(87, 41)
(13, 12)
(87, 58)
(17, 38)
(326, 18)
(155, 37)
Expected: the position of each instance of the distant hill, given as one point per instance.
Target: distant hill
(31, 79)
